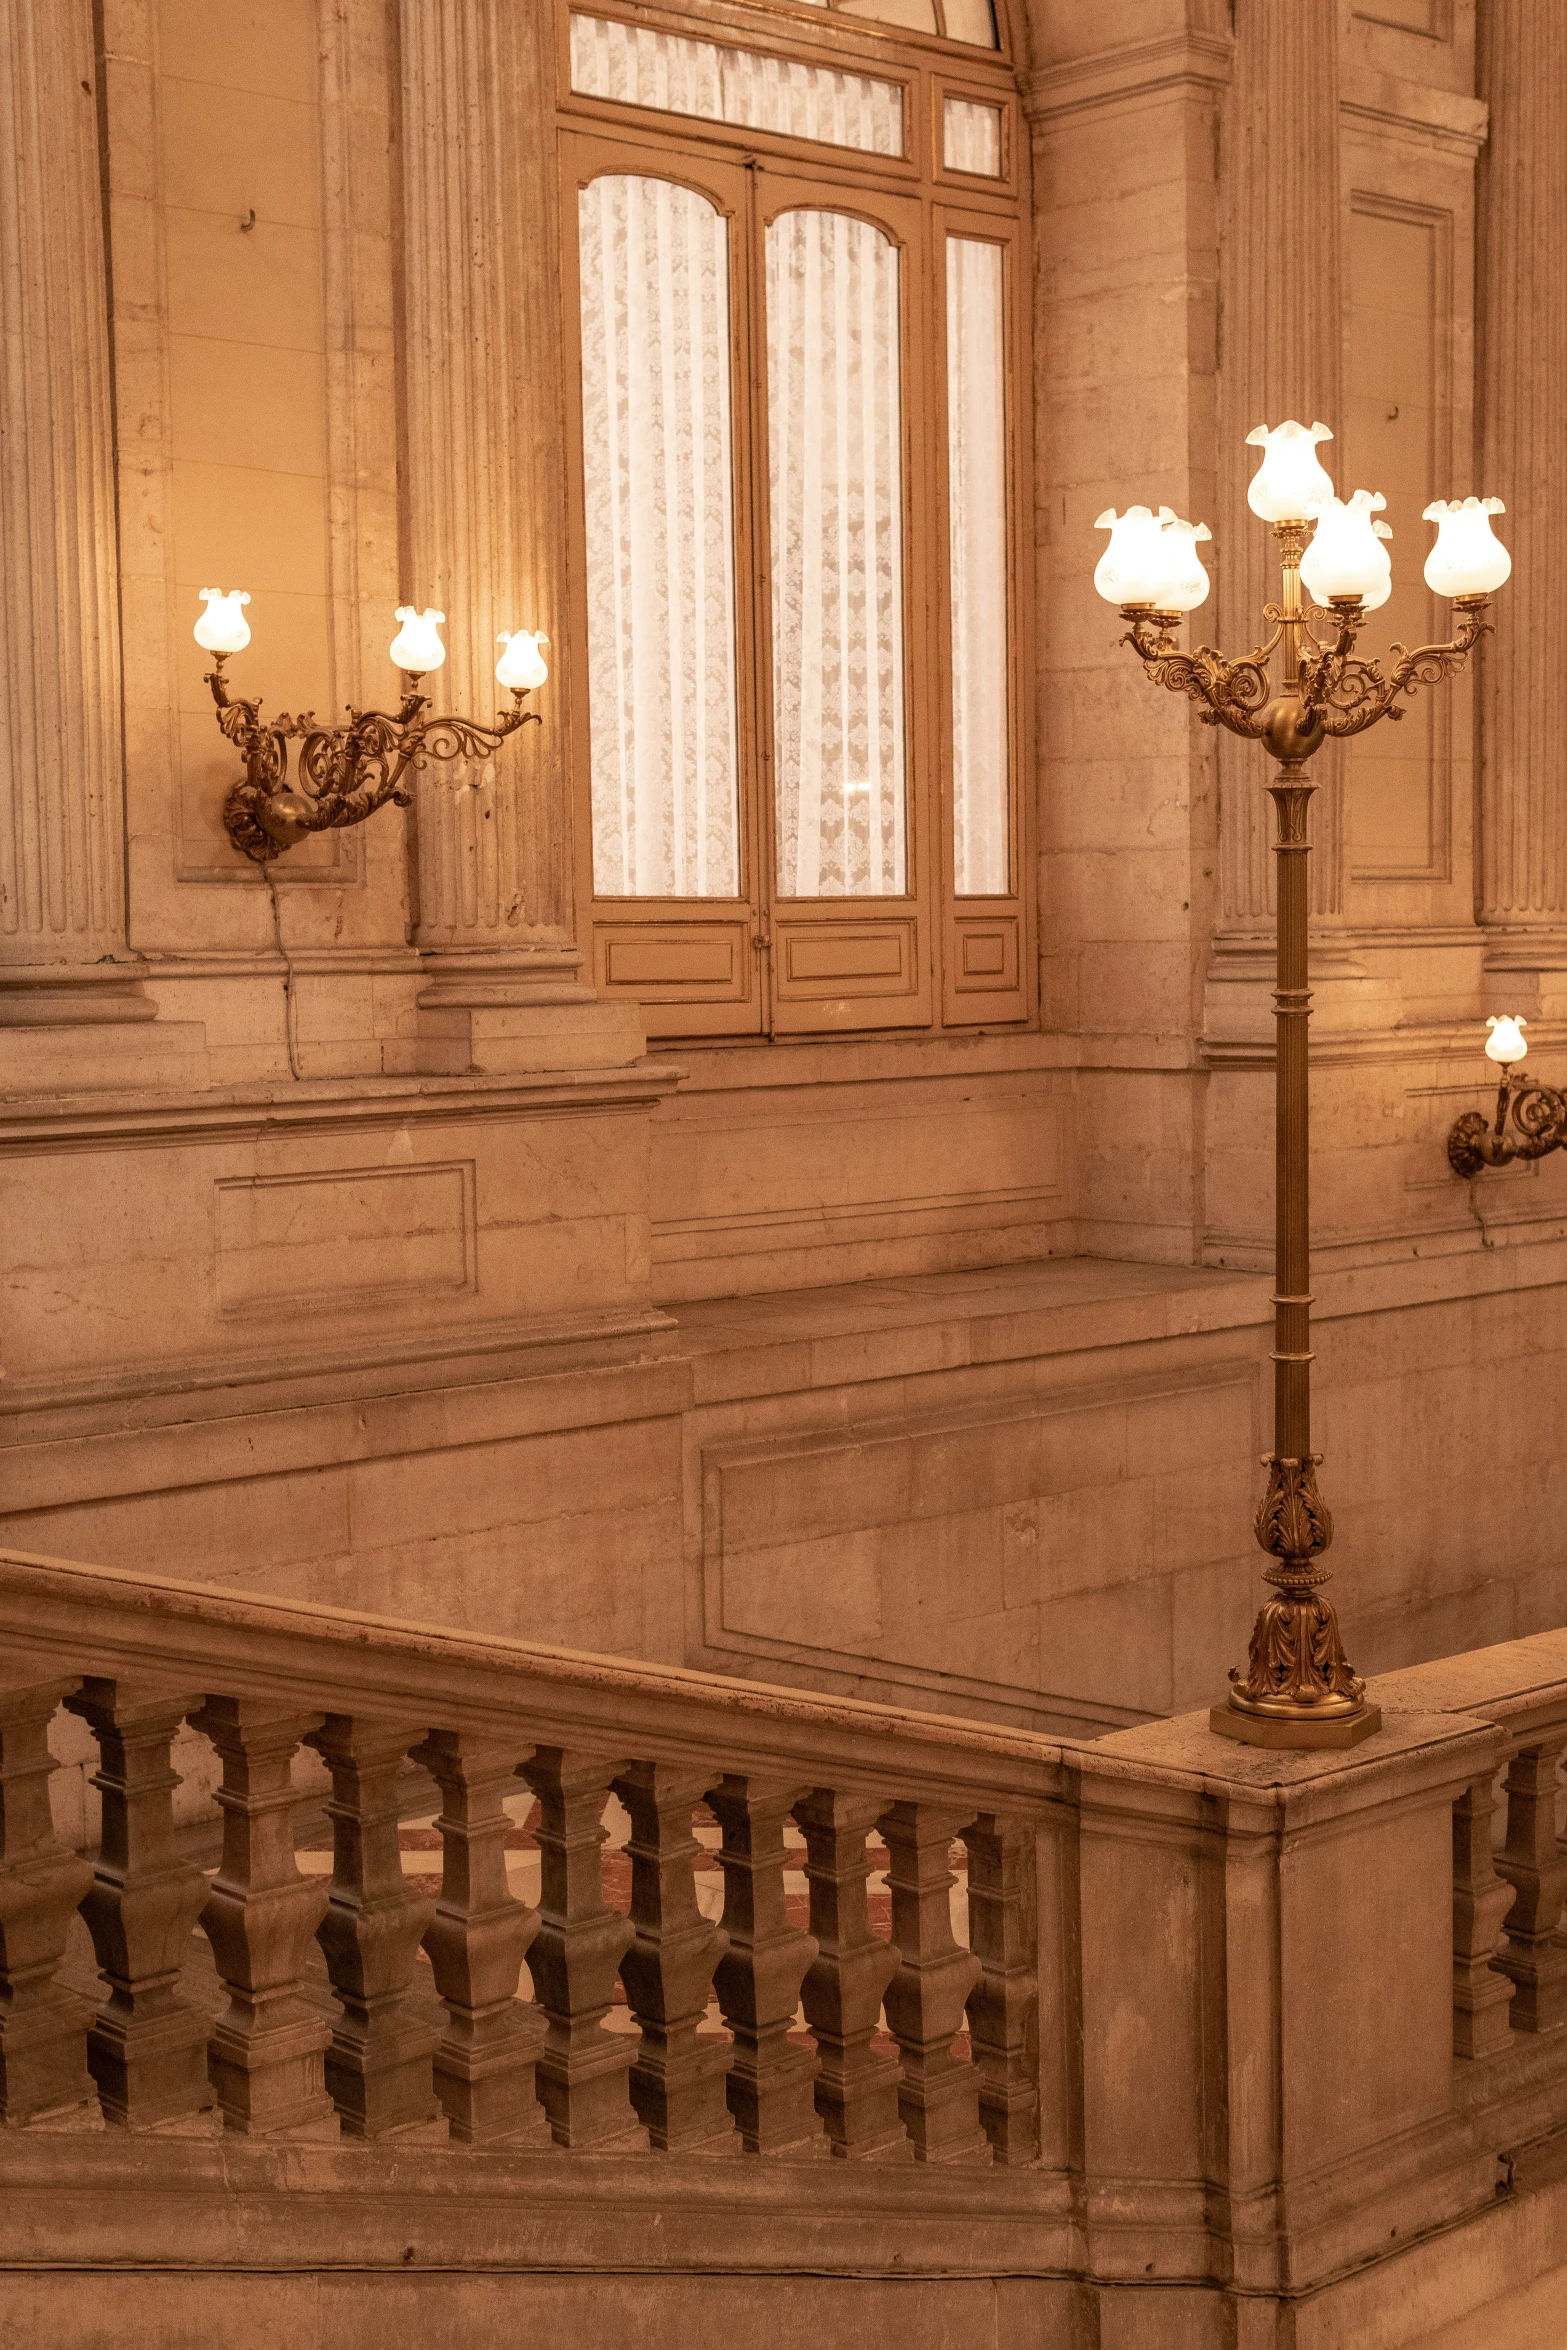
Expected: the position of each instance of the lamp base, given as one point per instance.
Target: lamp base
(1280, 1731)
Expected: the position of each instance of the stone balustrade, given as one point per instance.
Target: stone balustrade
(720, 2058)
(1154, 2012)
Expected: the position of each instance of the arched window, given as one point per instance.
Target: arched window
(796, 280)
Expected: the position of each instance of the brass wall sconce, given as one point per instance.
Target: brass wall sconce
(344, 773)
(1538, 1112)
(1298, 1689)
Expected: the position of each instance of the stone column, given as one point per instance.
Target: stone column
(1280, 355)
(484, 466)
(63, 951)
(1522, 372)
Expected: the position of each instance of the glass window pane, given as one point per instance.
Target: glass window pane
(658, 494)
(977, 528)
(972, 138)
(834, 453)
(970, 20)
(640, 67)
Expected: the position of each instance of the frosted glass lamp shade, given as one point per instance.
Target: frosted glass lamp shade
(1134, 566)
(1290, 480)
(1506, 1040)
(1185, 583)
(1347, 555)
(1468, 558)
(417, 646)
(223, 627)
(521, 666)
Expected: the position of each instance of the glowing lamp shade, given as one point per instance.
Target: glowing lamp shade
(1468, 558)
(1134, 566)
(223, 627)
(1290, 480)
(521, 665)
(1347, 556)
(417, 646)
(1185, 583)
(1506, 1040)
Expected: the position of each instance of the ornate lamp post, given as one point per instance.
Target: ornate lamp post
(1299, 1689)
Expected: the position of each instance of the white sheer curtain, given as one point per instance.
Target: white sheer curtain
(834, 448)
(658, 482)
(641, 67)
(977, 533)
(971, 137)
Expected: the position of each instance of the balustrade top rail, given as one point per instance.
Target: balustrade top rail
(108, 1621)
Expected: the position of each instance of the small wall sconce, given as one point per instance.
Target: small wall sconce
(1538, 1112)
(344, 773)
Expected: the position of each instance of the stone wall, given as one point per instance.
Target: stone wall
(353, 1246)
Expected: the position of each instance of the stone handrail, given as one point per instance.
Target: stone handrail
(136, 1657)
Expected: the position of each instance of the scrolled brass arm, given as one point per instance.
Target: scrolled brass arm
(1349, 695)
(345, 773)
(1231, 693)
(1531, 1120)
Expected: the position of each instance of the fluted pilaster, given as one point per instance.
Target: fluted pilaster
(485, 511)
(1522, 255)
(63, 953)
(485, 535)
(1279, 355)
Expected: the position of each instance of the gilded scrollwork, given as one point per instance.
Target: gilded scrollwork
(344, 773)
(1530, 1122)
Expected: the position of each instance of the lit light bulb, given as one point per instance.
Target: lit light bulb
(1506, 1040)
(1185, 583)
(1290, 479)
(417, 647)
(521, 665)
(1468, 558)
(223, 627)
(1347, 557)
(1135, 565)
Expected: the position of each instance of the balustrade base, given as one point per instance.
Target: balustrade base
(1280, 1731)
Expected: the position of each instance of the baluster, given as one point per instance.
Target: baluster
(378, 2063)
(266, 2056)
(1002, 2005)
(677, 2081)
(856, 2087)
(1482, 1994)
(485, 2064)
(1534, 1863)
(147, 2048)
(581, 1941)
(43, 2025)
(772, 2079)
(938, 2097)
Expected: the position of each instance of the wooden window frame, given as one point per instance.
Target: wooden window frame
(762, 964)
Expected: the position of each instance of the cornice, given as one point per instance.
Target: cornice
(1414, 110)
(321, 1105)
(1197, 64)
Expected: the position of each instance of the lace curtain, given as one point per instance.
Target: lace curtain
(658, 476)
(641, 67)
(834, 456)
(977, 529)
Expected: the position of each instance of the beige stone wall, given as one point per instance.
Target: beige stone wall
(348, 1272)
(1024, 1492)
